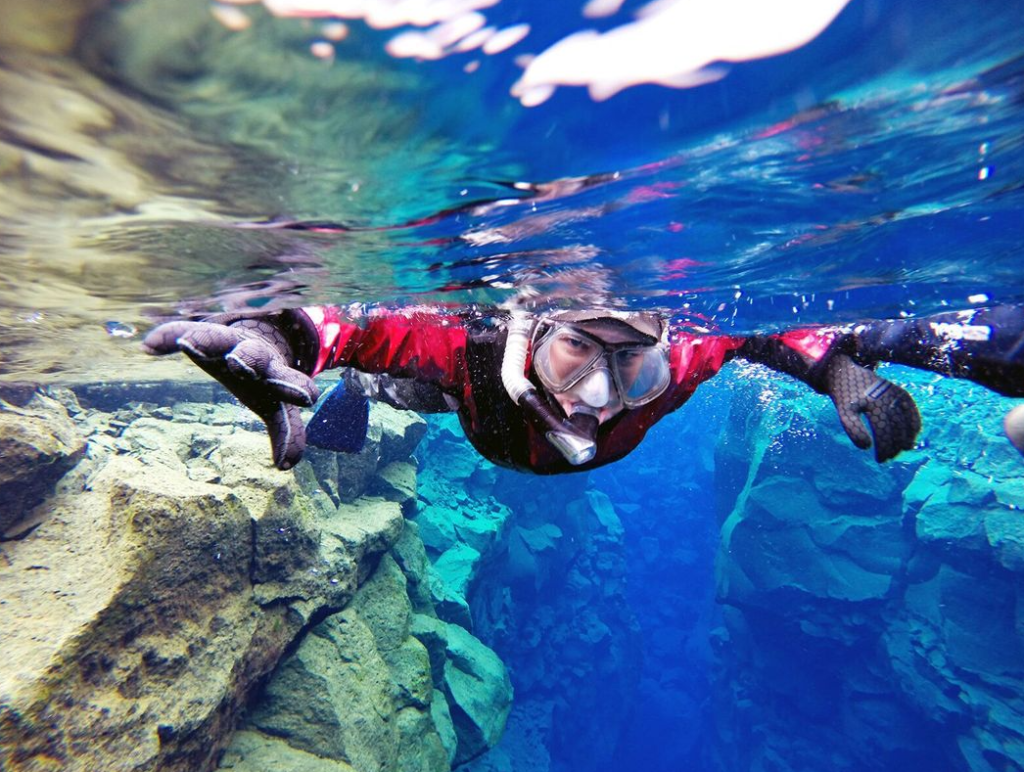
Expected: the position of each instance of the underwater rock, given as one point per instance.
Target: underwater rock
(876, 622)
(257, 752)
(442, 716)
(479, 693)
(173, 568)
(432, 632)
(370, 687)
(39, 443)
(563, 625)
(334, 697)
(411, 557)
(397, 482)
(401, 433)
(459, 520)
(130, 608)
(530, 552)
(451, 577)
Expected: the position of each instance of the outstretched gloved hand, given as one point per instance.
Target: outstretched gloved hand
(890, 411)
(253, 359)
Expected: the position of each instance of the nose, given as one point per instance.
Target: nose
(595, 389)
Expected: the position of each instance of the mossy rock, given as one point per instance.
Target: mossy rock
(479, 694)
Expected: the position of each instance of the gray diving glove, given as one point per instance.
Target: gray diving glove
(255, 359)
(890, 411)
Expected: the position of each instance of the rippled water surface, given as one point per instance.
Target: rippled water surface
(156, 162)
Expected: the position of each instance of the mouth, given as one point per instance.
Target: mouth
(603, 414)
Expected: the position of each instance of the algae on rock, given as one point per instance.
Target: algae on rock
(164, 578)
(383, 685)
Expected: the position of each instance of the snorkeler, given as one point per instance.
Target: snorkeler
(566, 391)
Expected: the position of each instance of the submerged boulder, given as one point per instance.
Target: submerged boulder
(257, 752)
(173, 568)
(39, 443)
(380, 688)
(479, 693)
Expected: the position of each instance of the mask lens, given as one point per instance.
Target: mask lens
(641, 373)
(563, 357)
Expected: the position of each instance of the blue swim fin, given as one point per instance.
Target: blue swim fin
(340, 422)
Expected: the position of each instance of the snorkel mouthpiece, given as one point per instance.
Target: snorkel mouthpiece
(573, 437)
(576, 444)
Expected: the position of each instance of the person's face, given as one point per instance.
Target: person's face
(568, 353)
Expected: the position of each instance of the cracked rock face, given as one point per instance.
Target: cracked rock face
(39, 443)
(382, 686)
(872, 615)
(164, 577)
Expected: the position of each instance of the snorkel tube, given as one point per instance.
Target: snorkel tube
(573, 437)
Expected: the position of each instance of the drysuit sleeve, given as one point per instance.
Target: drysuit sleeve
(421, 345)
(984, 345)
(267, 360)
(799, 353)
(858, 394)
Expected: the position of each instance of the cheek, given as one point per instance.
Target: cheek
(563, 366)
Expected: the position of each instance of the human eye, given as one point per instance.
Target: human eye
(575, 347)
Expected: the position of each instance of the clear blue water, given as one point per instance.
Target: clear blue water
(875, 172)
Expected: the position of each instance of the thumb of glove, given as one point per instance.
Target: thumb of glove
(890, 411)
(287, 435)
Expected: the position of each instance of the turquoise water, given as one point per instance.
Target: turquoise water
(765, 597)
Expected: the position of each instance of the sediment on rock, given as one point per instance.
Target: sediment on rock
(170, 569)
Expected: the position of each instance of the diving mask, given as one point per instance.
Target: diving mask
(566, 357)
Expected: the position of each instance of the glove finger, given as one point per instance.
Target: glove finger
(163, 339)
(250, 358)
(850, 416)
(199, 340)
(291, 385)
(287, 435)
(256, 360)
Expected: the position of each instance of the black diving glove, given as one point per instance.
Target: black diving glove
(890, 411)
(254, 358)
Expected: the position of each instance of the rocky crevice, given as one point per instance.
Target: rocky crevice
(872, 615)
(169, 571)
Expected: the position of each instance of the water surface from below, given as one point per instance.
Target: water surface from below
(163, 164)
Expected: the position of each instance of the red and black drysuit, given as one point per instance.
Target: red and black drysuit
(454, 362)
(462, 357)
